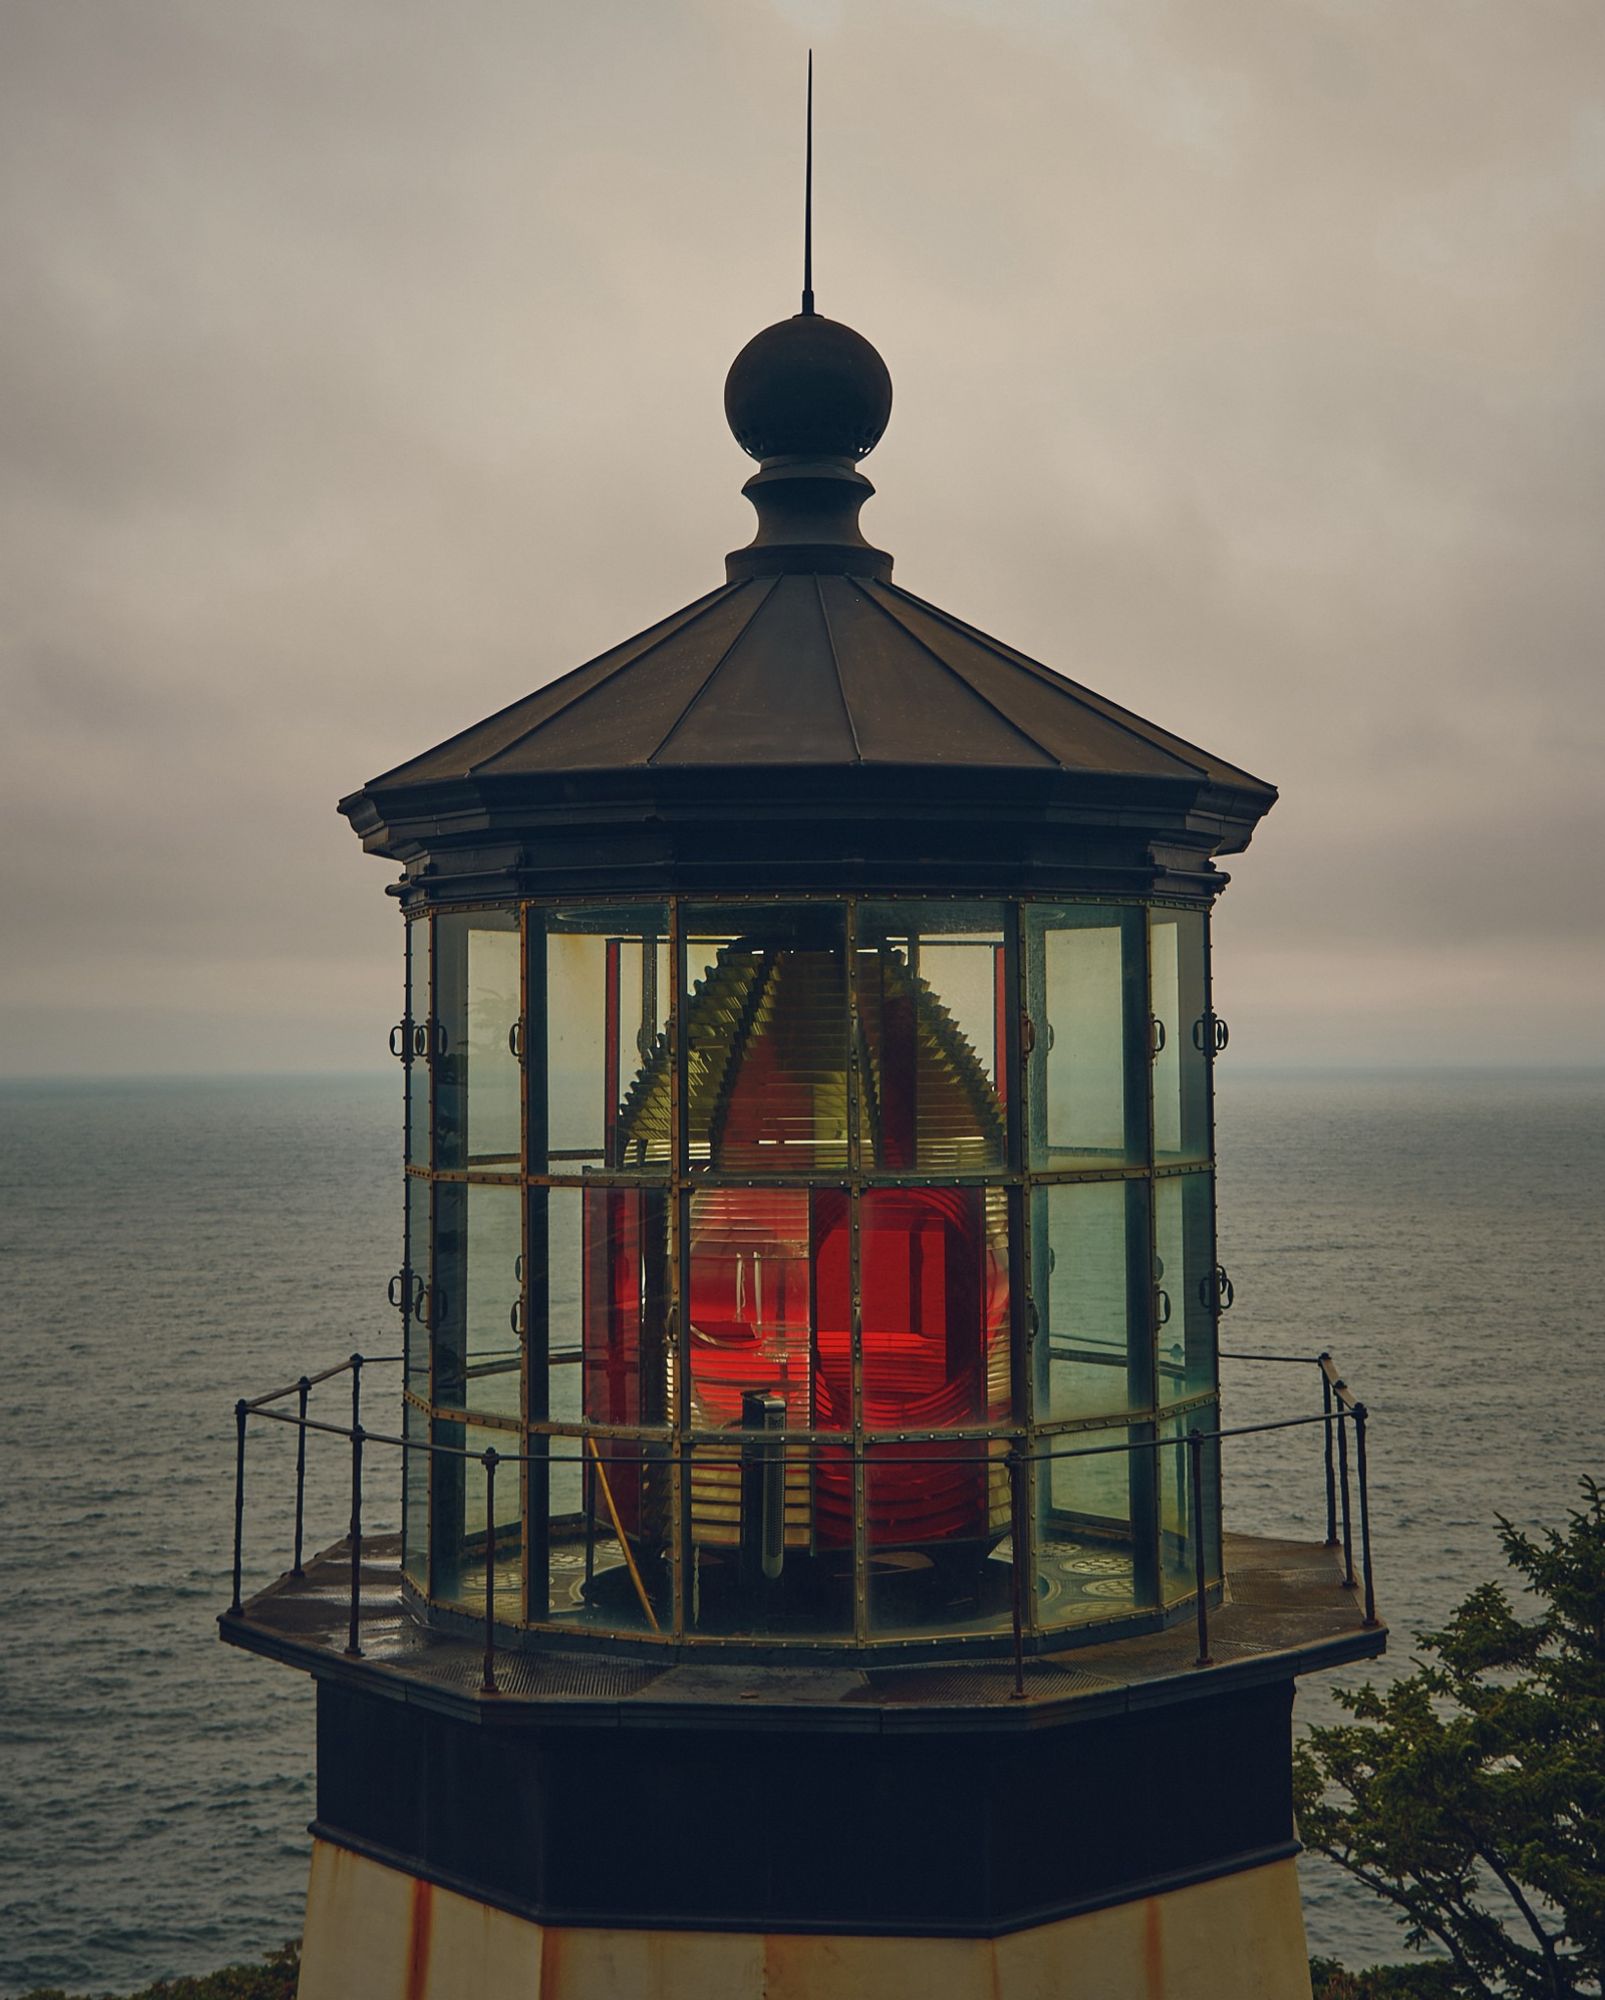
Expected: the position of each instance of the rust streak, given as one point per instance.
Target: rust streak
(423, 1921)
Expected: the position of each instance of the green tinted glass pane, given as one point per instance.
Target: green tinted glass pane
(604, 1539)
(1177, 943)
(1091, 1252)
(1184, 1276)
(461, 1516)
(415, 1497)
(1095, 1526)
(419, 1008)
(766, 1038)
(771, 1536)
(933, 1013)
(600, 1505)
(478, 1079)
(607, 1007)
(1089, 1053)
(488, 1366)
(940, 1553)
(474, 1298)
(420, 1299)
(1178, 1516)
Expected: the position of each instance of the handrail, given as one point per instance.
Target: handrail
(1340, 1410)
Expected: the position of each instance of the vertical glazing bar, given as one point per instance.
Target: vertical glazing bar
(536, 1288)
(612, 1028)
(1144, 1467)
(532, 1052)
(855, 1197)
(1343, 1483)
(241, 1414)
(353, 1649)
(1331, 1451)
(1360, 1414)
(682, 1555)
(303, 1390)
(1195, 1455)
(432, 1114)
(488, 1683)
(1018, 1518)
(1027, 1311)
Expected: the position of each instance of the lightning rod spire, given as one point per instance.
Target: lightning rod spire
(808, 198)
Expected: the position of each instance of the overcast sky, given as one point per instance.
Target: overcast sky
(361, 368)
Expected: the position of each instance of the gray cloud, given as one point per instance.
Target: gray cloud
(361, 369)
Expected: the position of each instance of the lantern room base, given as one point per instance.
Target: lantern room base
(389, 1935)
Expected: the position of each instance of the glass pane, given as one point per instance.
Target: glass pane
(598, 1352)
(766, 1039)
(940, 1555)
(608, 1069)
(751, 1329)
(478, 1078)
(460, 1521)
(607, 1533)
(1092, 1351)
(1089, 1056)
(556, 1350)
(1095, 1534)
(415, 1498)
(932, 1013)
(1176, 947)
(934, 1291)
(771, 1535)
(419, 1007)
(1176, 1515)
(624, 1301)
(421, 1301)
(478, 1260)
(1184, 1277)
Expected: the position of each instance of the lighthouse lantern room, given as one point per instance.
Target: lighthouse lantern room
(811, 1576)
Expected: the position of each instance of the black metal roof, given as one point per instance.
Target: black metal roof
(810, 692)
(809, 669)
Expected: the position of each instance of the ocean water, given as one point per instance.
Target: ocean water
(168, 1246)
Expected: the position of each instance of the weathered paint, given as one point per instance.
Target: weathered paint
(374, 1933)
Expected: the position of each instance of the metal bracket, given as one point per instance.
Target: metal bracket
(1210, 1034)
(1215, 1291)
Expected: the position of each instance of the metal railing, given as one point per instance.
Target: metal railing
(1340, 1412)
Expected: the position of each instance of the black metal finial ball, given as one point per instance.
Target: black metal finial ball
(808, 387)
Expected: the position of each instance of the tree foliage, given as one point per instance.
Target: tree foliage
(273, 1979)
(1471, 1793)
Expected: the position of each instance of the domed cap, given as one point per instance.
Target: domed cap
(808, 387)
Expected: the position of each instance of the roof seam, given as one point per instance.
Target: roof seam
(713, 671)
(1113, 712)
(871, 591)
(461, 735)
(836, 668)
(689, 616)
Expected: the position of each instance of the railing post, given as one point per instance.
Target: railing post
(488, 1684)
(303, 1390)
(1343, 1482)
(1331, 1463)
(353, 1649)
(1017, 1557)
(1195, 1458)
(241, 1412)
(1360, 1415)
